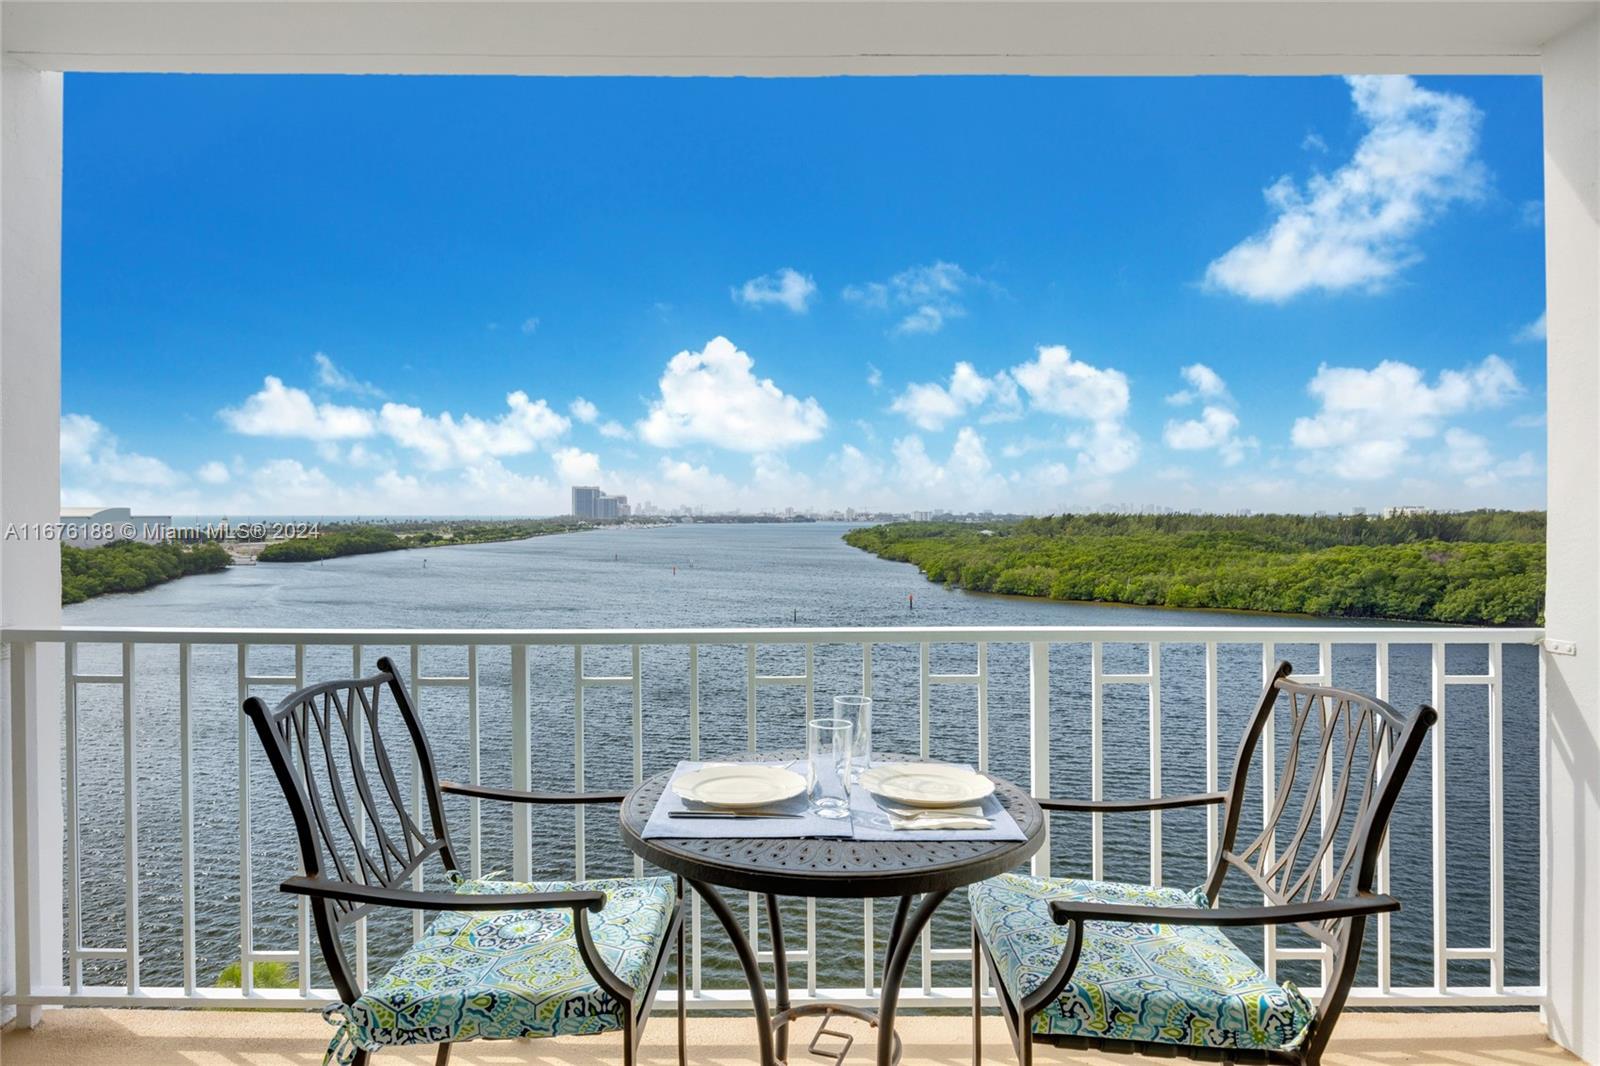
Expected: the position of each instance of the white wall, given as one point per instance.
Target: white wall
(1572, 692)
(30, 488)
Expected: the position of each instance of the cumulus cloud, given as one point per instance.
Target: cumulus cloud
(1533, 333)
(1058, 384)
(279, 410)
(213, 473)
(1368, 419)
(1354, 228)
(1217, 427)
(966, 475)
(615, 430)
(786, 288)
(1204, 384)
(712, 396)
(926, 297)
(574, 466)
(443, 440)
(1470, 457)
(92, 462)
(930, 405)
(330, 376)
(583, 410)
(696, 480)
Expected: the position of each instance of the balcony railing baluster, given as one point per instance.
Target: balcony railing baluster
(1043, 721)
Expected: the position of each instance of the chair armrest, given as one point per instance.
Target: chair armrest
(517, 795)
(406, 899)
(1063, 911)
(1159, 803)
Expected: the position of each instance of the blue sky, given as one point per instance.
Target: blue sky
(462, 295)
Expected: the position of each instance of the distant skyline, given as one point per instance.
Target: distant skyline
(329, 295)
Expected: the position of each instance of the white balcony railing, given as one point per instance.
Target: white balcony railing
(175, 838)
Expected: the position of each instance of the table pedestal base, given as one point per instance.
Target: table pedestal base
(831, 1010)
(772, 1030)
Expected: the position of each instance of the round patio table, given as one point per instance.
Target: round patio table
(829, 868)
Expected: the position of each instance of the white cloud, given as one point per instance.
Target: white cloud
(213, 473)
(94, 467)
(443, 440)
(615, 430)
(1369, 418)
(786, 287)
(1105, 448)
(1204, 384)
(583, 410)
(1353, 228)
(485, 488)
(1058, 383)
(712, 396)
(1533, 333)
(292, 486)
(928, 295)
(967, 475)
(330, 376)
(281, 411)
(79, 435)
(874, 377)
(1217, 428)
(1469, 456)
(574, 466)
(698, 481)
(930, 405)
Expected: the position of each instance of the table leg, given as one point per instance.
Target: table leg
(901, 910)
(752, 969)
(780, 964)
(894, 970)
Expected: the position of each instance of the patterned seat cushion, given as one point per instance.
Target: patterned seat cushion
(496, 975)
(1167, 984)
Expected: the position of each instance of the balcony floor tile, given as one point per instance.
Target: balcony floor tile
(91, 1037)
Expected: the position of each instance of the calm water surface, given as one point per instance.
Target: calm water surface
(762, 575)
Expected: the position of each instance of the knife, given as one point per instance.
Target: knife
(732, 814)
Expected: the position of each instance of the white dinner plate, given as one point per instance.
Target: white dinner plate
(927, 784)
(738, 786)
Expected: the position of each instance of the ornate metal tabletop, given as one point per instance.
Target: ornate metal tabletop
(830, 868)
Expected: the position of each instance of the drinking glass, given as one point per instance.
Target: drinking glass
(828, 742)
(857, 710)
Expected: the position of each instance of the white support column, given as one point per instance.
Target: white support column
(1571, 815)
(30, 492)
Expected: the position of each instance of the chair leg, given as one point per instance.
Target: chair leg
(442, 1058)
(363, 1057)
(683, 998)
(977, 999)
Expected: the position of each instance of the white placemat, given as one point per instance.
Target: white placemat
(869, 822)
(660, 825)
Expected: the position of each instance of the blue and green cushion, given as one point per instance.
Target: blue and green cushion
(499, 975)
(1149, 983)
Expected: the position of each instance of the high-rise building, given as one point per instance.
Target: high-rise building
(589, 502)
(584, 500)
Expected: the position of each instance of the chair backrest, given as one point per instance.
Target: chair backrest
(1339, 763)
(335, 762)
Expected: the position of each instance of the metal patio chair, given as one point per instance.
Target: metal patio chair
(1135, 968)
(502, 959)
